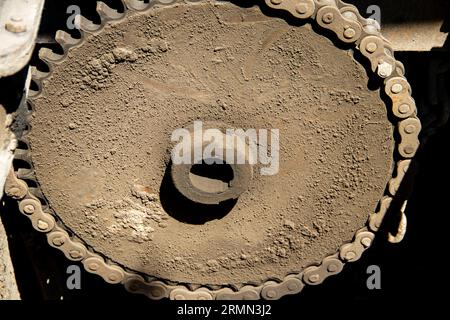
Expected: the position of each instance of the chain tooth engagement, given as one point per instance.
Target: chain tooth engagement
(349, 27)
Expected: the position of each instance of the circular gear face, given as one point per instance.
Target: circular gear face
(101, 143)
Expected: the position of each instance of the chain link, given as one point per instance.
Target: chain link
(349, 27)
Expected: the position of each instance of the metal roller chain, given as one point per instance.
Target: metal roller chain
(349, 27)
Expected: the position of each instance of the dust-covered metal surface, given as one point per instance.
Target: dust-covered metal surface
(96, 143)
(100, 146)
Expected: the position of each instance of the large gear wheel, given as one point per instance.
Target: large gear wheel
(99, 146)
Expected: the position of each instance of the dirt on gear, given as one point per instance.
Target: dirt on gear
(100, 146)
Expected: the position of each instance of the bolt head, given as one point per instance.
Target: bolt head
(158, 292)
(332, 268)
(276, 2)
(113, 277)
(409, 149)
(59, 241)
(371, 47)
(93, 266)
(385, 69)
(15, 26)
(292, 286)
(271, 293)
(350, 255)
(75, 254)
(42, 225)
(301, 8)
(404, 109)
(328, 18)
(410, 129)
(396, 88)
(314, 278)
(134, 287)
(29, 209)
(349, 33)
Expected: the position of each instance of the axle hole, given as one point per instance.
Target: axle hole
(213, 177)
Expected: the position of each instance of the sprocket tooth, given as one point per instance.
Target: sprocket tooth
(48, 56)
(66, 41)
(107, 13)
(26, 174)
(34, 93)
(88, 26)
(30, 105)
(193, 286)
(38, 75)
(140, 5)
(45, 206)
(26, 131)
(28, 118)
(22, 154)
(23, 141)
(38, 194)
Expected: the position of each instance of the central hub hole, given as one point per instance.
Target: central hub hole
(211, 178)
